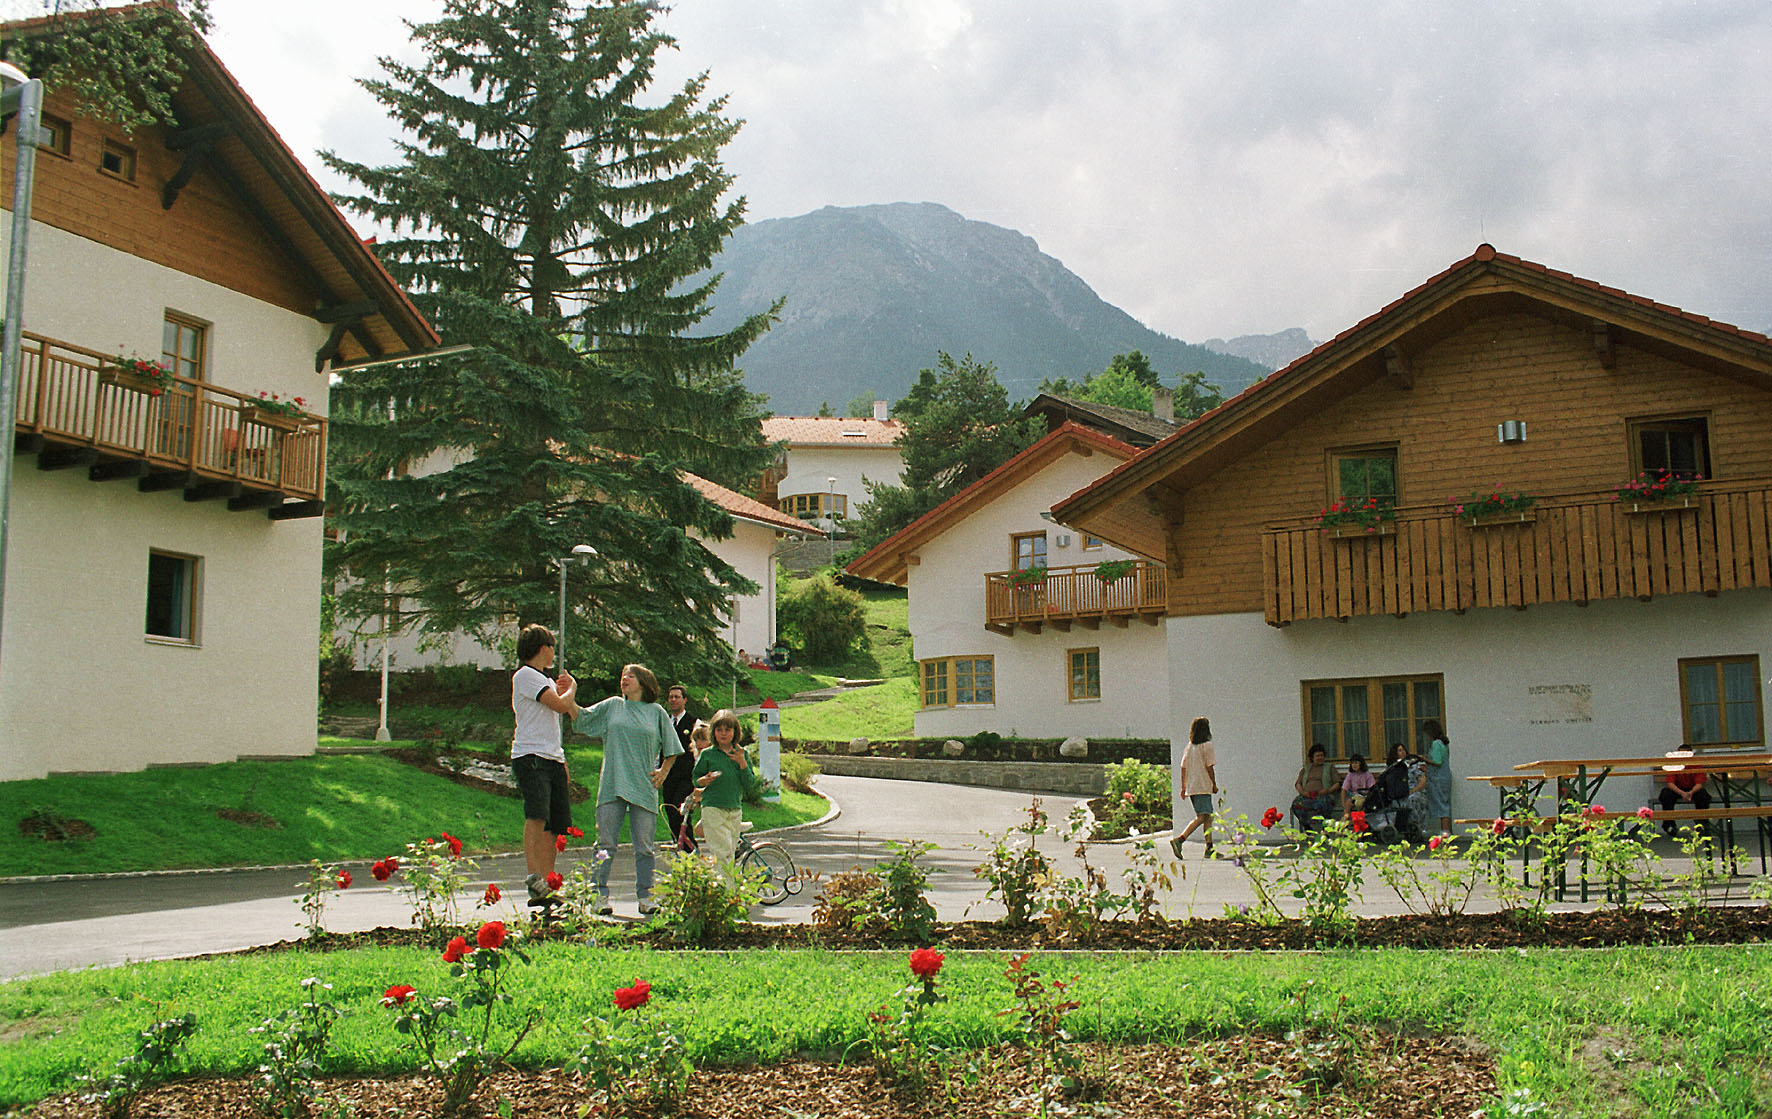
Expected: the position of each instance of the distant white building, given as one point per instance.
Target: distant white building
(1021, 626)
(826, 463)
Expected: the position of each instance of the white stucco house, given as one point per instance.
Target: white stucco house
(165, 533)
(1024, 627)
(1586, 625)
(826, 463)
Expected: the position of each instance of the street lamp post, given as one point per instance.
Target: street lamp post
(21, 94)
(581, 553)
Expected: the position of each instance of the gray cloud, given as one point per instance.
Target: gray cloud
(1214, 168)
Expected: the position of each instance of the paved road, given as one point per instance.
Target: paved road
(54, 925)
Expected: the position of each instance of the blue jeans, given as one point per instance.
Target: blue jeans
(642, 826)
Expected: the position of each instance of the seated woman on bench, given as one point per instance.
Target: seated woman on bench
(1682, 788)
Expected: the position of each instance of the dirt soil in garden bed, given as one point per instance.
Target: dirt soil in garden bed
(1315, 1073)
(1607, 928)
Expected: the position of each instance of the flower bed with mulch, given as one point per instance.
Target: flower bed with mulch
(1321, 1072)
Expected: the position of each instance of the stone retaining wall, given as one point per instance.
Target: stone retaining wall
(1064, 778)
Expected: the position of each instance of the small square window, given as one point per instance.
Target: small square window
(172, 597)
(1092, 543)
(58, 135)
(1680, 445)
(1363, 473)
(118, 160)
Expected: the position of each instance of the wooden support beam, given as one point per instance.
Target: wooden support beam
(209, 491)
(1396, 367)
(61, 458)
(201, 136)
(255, 499)
(344, 312)
(174, 480)
(187, 169)
(118, 469)
(291, 510)
(1605, 344)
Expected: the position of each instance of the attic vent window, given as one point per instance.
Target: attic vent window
(855, 435)
(118, 160)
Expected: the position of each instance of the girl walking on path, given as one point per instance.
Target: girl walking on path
(723, 775)
(636, 732)
(1199, 783)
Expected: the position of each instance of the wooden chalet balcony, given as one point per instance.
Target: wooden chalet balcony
(74, 409)
(1076, 596)
(1570, 548)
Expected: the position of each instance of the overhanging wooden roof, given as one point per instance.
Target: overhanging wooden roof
(889, 561)
(1129, 505)
(372, 316)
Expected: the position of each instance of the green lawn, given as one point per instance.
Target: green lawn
(883, 711)
(1642, 1032)
(356, 806)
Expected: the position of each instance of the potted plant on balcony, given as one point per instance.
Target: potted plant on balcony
(1349, 517)
(1494, 507)
(1029, 576)
(1112, 571)
(137, 374)
(271, 410)
(1655, 491)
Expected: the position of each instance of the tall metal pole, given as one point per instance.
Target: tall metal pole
(26, 95)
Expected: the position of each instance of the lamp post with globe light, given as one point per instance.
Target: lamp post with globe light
(581, 553)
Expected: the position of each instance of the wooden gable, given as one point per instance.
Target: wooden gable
(1231, 501)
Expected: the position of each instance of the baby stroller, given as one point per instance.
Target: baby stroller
(1387, 807)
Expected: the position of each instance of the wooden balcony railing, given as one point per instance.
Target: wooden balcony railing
(74, 409)
(1075, 596)
(1572, 548)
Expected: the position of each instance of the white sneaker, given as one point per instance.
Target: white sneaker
(648, 907)
(604, 909)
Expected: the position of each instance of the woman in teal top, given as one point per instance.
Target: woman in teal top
(635, 730)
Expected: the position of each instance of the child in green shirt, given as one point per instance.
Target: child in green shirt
(723, 776)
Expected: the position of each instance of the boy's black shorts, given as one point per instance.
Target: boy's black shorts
(546, 792)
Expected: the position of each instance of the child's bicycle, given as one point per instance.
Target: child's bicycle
(765, 861)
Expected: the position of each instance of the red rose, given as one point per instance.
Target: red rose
(1499, 826)
(398, 995)
(1357, 821)
(630, 998)
(492, 894)
(381, 870)
(575, 833)
(454, 845)
(344, 879)
(491, 935)
(560, 843)
(1434, 843)
(925, 962)
(455, 950)
(1271, 817)
(555, 880)
(393, 864)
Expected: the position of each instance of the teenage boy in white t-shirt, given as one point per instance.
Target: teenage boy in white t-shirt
(538, 761)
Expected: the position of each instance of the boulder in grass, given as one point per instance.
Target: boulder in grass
(1074, 748)
(953, 748)
(859, 746)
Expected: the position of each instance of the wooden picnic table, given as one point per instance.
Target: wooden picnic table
(1738, 779)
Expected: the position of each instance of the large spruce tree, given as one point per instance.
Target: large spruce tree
(547, 212)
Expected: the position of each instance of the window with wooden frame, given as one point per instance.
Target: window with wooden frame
(1027, 549)
(184, 345)
(1361, 473)
(117, 159)
(808, 506)
(1084, 672)
(1092, 543)
(1720, 701)
(59, 136)
(1679, 444)
(172, 597)
(959, 681)
(1356, 716)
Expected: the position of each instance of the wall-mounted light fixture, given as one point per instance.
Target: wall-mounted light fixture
(1511, 431)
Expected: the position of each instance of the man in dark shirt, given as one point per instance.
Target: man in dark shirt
(680, 782)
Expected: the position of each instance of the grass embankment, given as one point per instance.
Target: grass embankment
(1652, 1032)
(332, 808)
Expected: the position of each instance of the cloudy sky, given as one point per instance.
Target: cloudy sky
(1214, 168)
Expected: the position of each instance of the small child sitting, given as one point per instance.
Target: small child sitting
(1357, 784)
